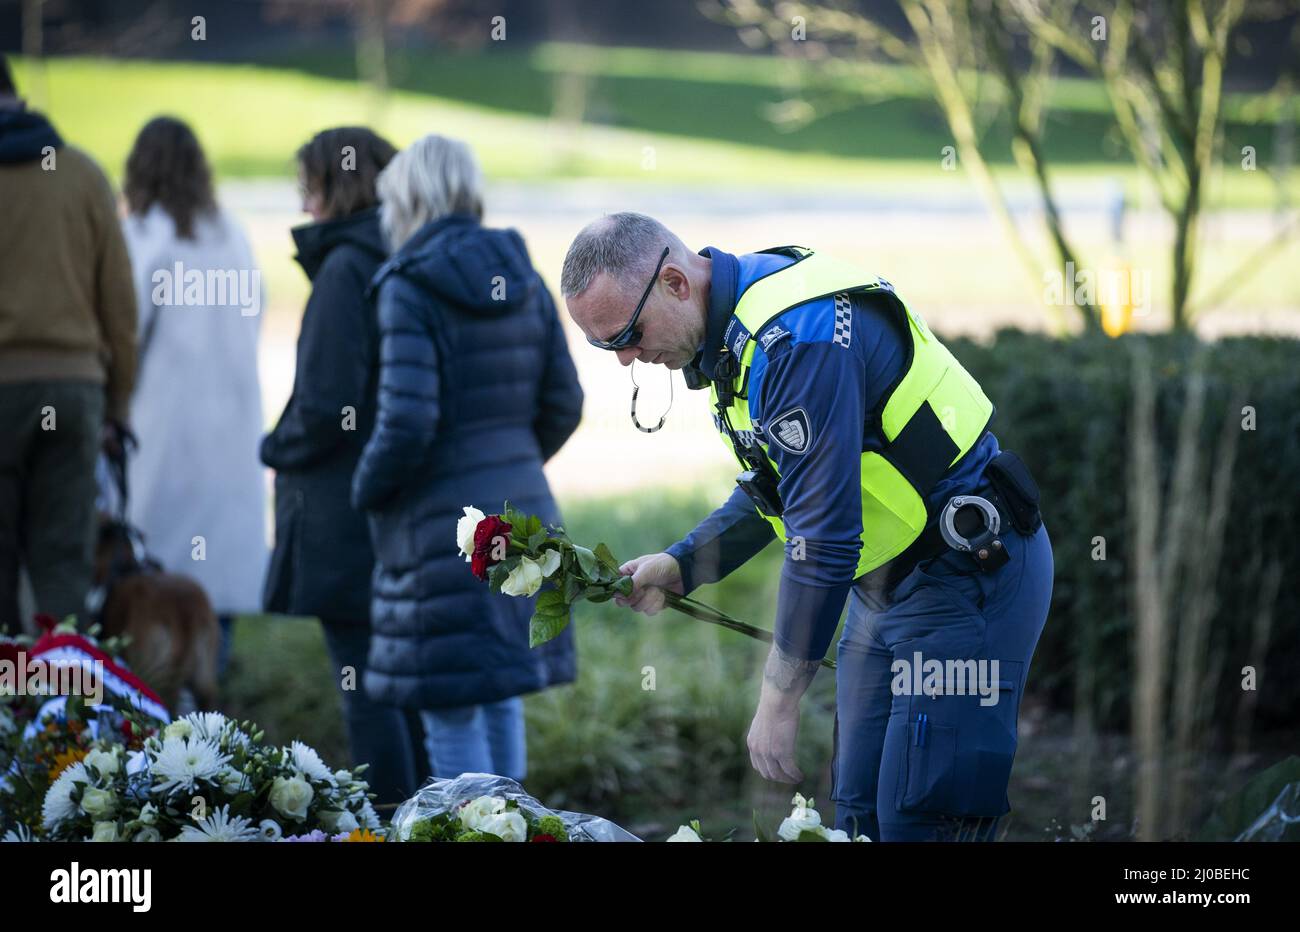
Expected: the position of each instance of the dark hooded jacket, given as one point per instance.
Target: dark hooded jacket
(322, 560)
(476, 391)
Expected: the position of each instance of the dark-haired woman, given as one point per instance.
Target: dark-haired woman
(197, 488)
(322, 561)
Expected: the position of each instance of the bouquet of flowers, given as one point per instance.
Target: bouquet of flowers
(517, 555)
(803, 824)
(486, 807)
(204, 777)
(47, 726)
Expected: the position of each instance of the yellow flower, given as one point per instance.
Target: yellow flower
(362, 834)
(64, 760)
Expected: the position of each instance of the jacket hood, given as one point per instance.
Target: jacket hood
(315, 240)
(472, 267)
(23, 134)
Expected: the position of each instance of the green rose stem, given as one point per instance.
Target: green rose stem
(582, 574)
(702, 612)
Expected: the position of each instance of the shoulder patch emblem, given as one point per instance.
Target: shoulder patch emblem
(791, 431)
(771, 335)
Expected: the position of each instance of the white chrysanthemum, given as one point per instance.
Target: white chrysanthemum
(7, 726)
(307, 761)
(18, 833)
(367, 816)
(181, 763)
(212, 726)
(58, 805)
(220, 826)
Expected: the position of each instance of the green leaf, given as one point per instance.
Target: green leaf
(809, 835)
(587, 561)
(623, 585)
(758, 829)
(535, 540)
(552, 602)
(605, 556)
(572, 588)
(534, 524)
(543, 627)
(497, 575)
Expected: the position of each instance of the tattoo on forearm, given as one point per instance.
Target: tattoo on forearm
(789, 674)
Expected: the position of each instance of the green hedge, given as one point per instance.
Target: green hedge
(1067, 408)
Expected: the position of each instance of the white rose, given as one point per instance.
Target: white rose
(148, 813)
(524, 579)
(862, 838)
(96, 802)
(148, 833)
(550, 562)
(178, 729)
(465, 531)
(801, 820)
(508, 826)
(473, 814)
(291, 796)
(105, 831)
(105, 762)
(834, 834)
(684, 833)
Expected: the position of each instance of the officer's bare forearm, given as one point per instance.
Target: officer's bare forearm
(786, 678)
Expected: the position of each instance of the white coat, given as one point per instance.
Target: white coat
(197, 489)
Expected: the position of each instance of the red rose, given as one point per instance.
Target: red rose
(485, 533)
(46, 622)
(543, 837)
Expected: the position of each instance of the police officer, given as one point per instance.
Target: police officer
(864, 445)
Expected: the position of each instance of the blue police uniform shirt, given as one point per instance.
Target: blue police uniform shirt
(820, 370)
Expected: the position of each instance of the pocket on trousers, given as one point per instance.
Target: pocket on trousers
(959, 754)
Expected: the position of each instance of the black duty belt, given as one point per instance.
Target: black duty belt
(976, 523)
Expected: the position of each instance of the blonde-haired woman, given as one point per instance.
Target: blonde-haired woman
(476, 391)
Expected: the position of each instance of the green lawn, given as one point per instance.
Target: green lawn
(672, 117)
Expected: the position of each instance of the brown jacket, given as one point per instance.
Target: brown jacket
(67, 302)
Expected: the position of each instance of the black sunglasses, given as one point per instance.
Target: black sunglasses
(629, 336)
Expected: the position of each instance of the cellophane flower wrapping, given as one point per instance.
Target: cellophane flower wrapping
(444, 795)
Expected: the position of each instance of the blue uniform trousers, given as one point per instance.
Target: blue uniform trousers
(912, 766)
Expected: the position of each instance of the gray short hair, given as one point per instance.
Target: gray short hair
(625, 245)
(431, 178)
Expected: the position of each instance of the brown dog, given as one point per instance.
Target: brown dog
(173, 631)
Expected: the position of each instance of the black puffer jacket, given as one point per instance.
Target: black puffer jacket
(477, 389)
(323, 560)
